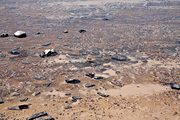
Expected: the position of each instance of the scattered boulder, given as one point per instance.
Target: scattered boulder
(49, 118)
(47, 83)
(65, 31)
(36, 93)
(89, 85)
(23, 99)
(15, 51)
(178, 42)
(117, 83)
(82, 31)
(175, 86)
(91, 75)
(15, 94)
(46, 44)
(20, 34)
(38, 33)
(3, 35)
(1, 101)
(102, 94)
(75, 98)
(73, 81)
(39, 77)
(119, 57)
(48, 53)
(98, 77)
(37, 115)
(19, 107)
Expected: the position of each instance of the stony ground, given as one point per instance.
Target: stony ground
(132, 47)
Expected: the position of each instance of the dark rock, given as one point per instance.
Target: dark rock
(3, 35)
(49, 118)
(178, 42)
(82, 31)
(36, 93)
(47, 83)
(105, 19)
(73, 81)
(15, 94)
(48, 53)
(37, 115)
(89, 85)
(23, 99)
(20, 34)
(98, 77)
(19, 107)
(175, 86)
(117, 83)
(91, 75)
(39, 77)
(102, 94)
(67, 94)
(65, 31)
(1, 101)
(120, 58)
(46, 44)
(15, 51)
(38, 33)
(75, 98)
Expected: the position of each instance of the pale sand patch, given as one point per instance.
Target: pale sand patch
(138, 90)
(55, 93)
(110, 72)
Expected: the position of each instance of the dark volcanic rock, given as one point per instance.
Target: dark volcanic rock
(178, 42)
(89, 85)
(175, 86)
(36, 93)
(47, 83)
(15, 51)
(91, 75)
(20, 34)
(48, 53)
(73, 81)
(49, 118)
(102, 94)
(120, 58)
(98, 77)
(117, 83)
(37, 115)
(82, 31)
(65, 31)
(19, 107)
(75, 98)
(3, 35)
(1, 101)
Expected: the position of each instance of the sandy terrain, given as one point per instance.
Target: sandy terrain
(131, 46)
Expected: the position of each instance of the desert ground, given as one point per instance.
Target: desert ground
(115, 60)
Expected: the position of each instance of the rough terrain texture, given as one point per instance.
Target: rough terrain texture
(131, 46)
